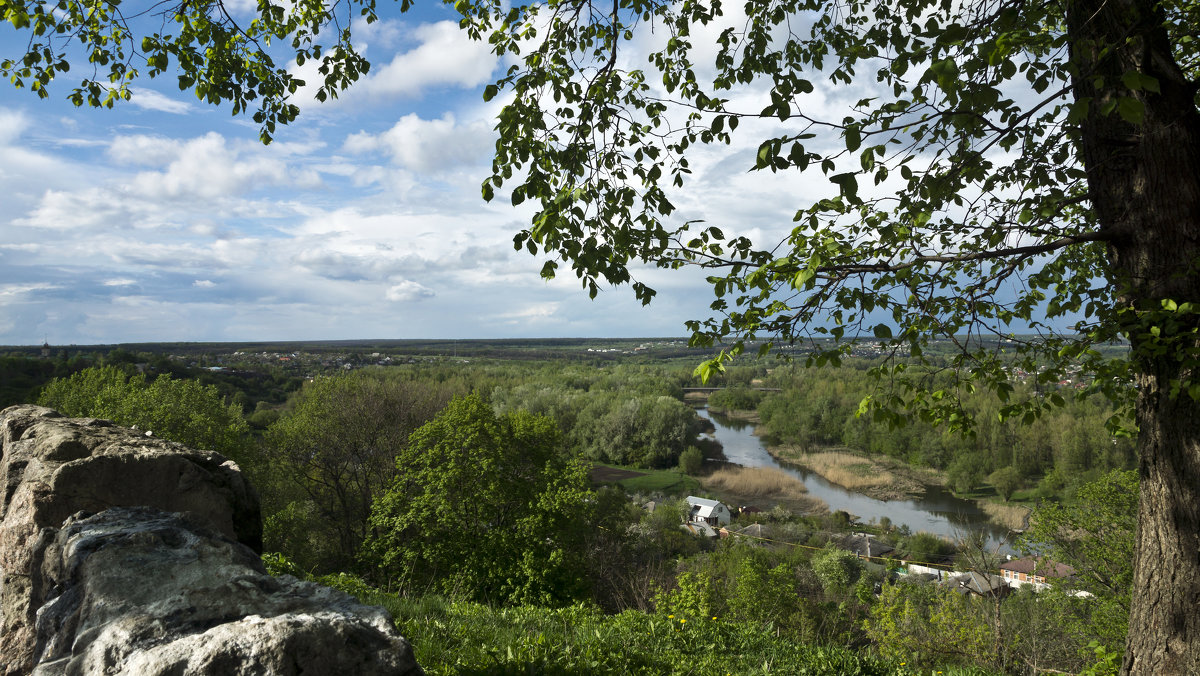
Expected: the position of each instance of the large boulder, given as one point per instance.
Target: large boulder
(69, 599)
(52, 467)
(140, 591)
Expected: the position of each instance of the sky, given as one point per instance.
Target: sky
(165, 219)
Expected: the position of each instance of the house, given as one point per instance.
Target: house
(979, 584)
(1020, 572)
(865, 546)
(711, 512)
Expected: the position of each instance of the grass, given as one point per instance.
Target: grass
(739, 485)
(469, 638)
(881, 478)
(650, 481)
(1011, 517)
(759, 482)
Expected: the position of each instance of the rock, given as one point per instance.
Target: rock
(141, 591)
(121, 553)
(52, 467)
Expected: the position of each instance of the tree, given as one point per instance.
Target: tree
(1006, 481)
(177, 410)
(484, 508)
(1095, 536)
(337, 448)
(837, 569)
(1003, 167)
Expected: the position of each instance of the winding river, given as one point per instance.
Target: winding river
(938, 511)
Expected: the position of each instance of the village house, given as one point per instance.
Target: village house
(865, 546)
(979, 584)
(1020, 572)
(711, 512)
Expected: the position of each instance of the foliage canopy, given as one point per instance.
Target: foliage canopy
(485, 508)
(178, 410)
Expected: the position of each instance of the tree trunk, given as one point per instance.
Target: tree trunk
(1144, 181)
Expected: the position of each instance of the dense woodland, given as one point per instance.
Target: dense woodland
(457, 493)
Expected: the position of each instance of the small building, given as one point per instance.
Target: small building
(979, 584)
(865, 546)
(711, 512)
(1037, 572)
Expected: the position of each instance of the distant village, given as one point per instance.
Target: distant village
(711, 519)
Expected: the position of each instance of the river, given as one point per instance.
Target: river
(938, 511)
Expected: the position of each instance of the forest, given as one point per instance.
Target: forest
(461, 495)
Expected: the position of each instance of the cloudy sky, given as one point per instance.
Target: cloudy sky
(165, 219)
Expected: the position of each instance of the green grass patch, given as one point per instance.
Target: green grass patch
(468, 638)
(667, 481)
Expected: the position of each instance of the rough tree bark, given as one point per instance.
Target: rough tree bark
(1145, 185)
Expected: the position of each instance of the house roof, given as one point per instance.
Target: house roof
(865, 545)
(1042, 567)
(979, 583)
(703, 502)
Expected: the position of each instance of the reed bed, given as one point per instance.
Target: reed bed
(763, 485)
(758, 482)
(848, 470)
(1011, 517)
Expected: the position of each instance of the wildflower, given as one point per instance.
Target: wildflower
(670, 617)
(682, 621)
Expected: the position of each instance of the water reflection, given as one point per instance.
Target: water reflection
(938, 511)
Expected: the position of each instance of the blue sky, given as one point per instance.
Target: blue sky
(165, 219)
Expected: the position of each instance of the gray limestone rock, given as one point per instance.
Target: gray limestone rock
(126, 554)
(140, 591)
(52, 467)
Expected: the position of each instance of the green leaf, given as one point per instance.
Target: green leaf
(1131, 110)
(853, 138)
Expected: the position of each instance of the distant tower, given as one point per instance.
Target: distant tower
(45, 350)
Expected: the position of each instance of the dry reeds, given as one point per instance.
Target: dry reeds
(848, 470)
(1011, 517)
(755, 482)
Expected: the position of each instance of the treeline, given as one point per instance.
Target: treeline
(1062, 449)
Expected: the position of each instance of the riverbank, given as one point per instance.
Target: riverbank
(763, 487)
(734, 414)
(878, 477)
(885, 478)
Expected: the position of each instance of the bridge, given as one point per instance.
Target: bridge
(714, 389)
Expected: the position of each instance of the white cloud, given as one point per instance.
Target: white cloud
(407, 291)
(540, 311)
(206, 168)
(428, 145)
(203, 284)
(119, 282)
(144, 150)
(13, 124)
(149, 99)
(446, 56)
(10, 292)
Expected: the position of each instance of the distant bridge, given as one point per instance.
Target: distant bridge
(714, 389)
